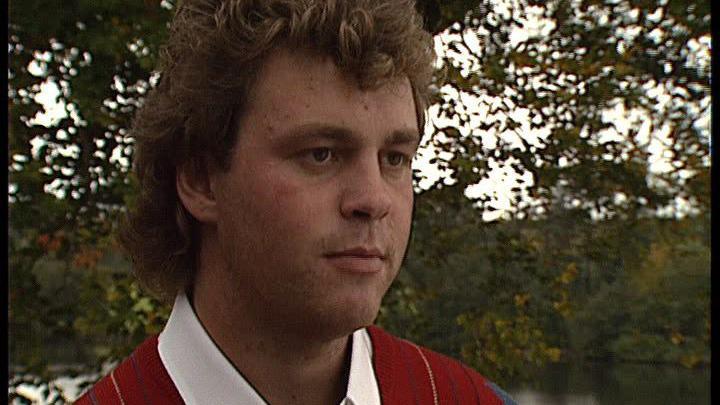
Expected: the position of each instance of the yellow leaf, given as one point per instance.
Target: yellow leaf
(521, 299)
(677, 338)
(569, 274)
(553, 354)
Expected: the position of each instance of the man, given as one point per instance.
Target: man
(274, 162)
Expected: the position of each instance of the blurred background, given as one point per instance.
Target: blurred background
(561, 242)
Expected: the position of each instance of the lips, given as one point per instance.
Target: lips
(357, 260)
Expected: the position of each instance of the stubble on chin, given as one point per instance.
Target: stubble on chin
(291, 288)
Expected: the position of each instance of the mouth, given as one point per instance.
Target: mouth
(357, 260)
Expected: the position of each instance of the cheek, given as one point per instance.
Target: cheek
(266, 224)
(405, 205)
(293, 207)
(402, 222)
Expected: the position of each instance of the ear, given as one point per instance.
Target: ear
(195, 188)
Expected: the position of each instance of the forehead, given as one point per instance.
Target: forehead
(301, 87)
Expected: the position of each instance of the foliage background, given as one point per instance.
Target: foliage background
(603, 248)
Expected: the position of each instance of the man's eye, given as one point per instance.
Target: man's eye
(396, 159)
(321, 155)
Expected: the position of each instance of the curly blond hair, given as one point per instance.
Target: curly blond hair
(213, 55)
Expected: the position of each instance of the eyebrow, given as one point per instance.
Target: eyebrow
(341, 134)
(405, 136)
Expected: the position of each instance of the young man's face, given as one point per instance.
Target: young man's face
(314, 213)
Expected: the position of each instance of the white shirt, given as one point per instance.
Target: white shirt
(203, 375)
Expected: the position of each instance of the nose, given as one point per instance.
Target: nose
(366, 195)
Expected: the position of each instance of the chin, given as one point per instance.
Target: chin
(349, 317)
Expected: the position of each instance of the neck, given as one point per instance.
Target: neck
(286, 365)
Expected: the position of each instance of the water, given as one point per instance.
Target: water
(558, 384)
(605, 384)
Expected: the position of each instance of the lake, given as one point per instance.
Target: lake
(563, 384)
(608, 383)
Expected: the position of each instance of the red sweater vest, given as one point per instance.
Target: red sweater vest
(406, 374)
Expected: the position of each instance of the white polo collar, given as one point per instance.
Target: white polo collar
(203, 375)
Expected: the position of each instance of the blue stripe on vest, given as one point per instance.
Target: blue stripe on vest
(502, 394)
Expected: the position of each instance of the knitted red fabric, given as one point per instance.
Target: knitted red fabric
(403, 376)
(140, 379)
(406, 374)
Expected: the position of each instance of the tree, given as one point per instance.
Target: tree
(73, 172)
(544, 95)
(537, 102)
